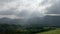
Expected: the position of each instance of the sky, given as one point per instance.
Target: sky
(28, 8)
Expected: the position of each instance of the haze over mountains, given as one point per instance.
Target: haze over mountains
(47, 20)
(30, 12)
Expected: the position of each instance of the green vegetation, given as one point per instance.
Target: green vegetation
(57, 31)
(18, 29)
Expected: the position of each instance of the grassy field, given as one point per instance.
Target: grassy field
(57, 31)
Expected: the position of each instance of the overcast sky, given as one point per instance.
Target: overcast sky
(26, 8)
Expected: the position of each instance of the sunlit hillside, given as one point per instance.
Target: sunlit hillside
(57, 31)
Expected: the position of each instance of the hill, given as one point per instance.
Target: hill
(57, 31)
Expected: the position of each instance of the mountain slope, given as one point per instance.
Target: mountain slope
(57, 31)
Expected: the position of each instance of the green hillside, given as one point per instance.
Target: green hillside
(57, 31)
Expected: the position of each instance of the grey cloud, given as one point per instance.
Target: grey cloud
(6, 0)
(23, 13)
(44, 2)
(26, 13)
(55, 8)
(7, 12)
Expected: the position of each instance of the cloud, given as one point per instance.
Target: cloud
(5, 0)
(8, 12)
(24, 8)
(55, 8)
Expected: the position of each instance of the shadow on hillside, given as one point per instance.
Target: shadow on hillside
(18, 29)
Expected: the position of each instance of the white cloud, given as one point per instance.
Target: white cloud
(31, 5)
(24, 4)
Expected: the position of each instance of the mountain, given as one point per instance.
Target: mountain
(52, 20)
(37, 21)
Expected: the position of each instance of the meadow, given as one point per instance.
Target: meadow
(57, 31)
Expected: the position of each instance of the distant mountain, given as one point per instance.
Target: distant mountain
(52, 20)
(10, 21)
(38, 21)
